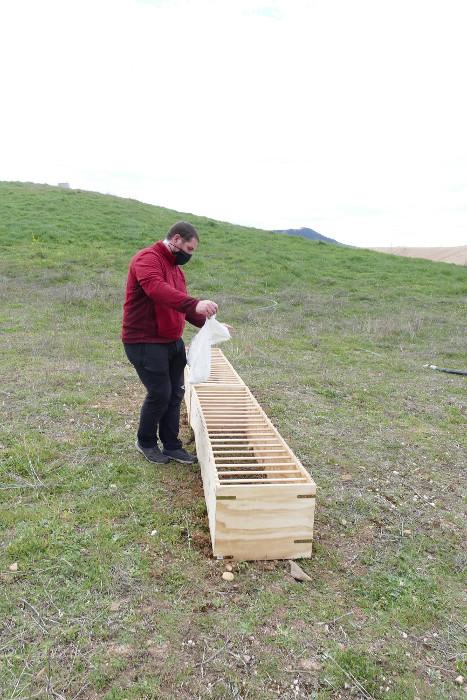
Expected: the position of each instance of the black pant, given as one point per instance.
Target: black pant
(160, 366)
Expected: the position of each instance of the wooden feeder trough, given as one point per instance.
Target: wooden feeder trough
(260, 499)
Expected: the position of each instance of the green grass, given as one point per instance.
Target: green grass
(116, 593)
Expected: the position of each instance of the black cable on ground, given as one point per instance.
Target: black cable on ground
(444, 369)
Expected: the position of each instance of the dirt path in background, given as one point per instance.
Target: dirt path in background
(456, 255)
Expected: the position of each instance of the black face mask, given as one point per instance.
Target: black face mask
(181, 257)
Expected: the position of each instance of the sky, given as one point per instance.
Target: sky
(347, 117)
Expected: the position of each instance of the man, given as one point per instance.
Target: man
(156, 306)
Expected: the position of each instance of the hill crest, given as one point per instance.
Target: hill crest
(308, 233)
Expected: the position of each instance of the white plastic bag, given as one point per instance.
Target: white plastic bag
(199, 352)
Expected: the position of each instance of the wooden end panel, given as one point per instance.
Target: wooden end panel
(264, 522)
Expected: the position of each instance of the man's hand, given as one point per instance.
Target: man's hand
(206, 308)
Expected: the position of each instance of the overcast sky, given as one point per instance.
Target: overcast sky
(345, 116)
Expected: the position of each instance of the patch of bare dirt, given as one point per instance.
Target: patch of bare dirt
(456, 254)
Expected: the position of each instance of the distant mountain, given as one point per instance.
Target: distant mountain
(308, 233)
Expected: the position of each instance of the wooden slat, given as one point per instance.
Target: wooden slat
(228, 413)
(237, 431)
(231, 405)
(244, 441)
(245, 448)
(233, 419)
(272, 458)
(264, 467)
(263, 481)
(216, 442)
(235, 423)
(231, 409)
(243, 471)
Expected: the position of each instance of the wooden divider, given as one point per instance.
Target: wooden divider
(260, 499)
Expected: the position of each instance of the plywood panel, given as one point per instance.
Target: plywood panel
(264, 522)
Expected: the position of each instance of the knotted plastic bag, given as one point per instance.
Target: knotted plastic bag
(199, 352)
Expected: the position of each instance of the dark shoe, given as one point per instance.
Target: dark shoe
(152, 454)
(180, 455)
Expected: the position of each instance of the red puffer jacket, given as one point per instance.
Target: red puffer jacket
(156, 302)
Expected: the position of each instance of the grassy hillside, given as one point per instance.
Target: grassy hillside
(115, 593)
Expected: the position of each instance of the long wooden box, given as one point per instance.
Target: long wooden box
(260, 499)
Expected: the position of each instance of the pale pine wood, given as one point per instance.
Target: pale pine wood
(264, 523)
(260, 499)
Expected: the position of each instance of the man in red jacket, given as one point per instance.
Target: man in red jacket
(156, 306)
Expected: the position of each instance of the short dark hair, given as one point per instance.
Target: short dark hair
(185, 230)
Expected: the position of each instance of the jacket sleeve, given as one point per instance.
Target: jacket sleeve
(149, 273)
(196, 320)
